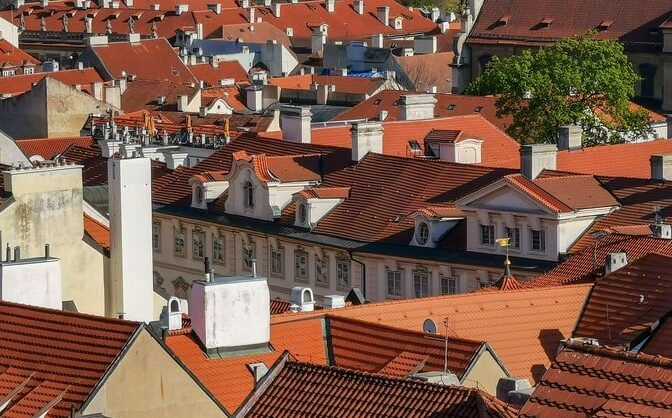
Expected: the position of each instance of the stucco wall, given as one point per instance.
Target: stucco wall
(485, 374)
(46, 208)
(148, 383)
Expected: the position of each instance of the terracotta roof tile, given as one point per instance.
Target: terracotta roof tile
(9, 54)
(625, 304)
(523, 327)
(339, 392)
(57, 354)
(144, 95)
(225, 69)
(660, 343)
(48, 148)
(588, 265)
(577, 192)
(97, 231)
(597, 381)
(532, 189)
(376, 348)
(325, 192)
(429, 70)
(255, 33)
(22, 83)
(230, 94)
(344, 84)
(507, 283)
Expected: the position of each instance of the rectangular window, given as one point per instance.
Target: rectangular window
(301, 265)
(248, 256)
(198, 245)
(179, 242)
(29, 70)
(448, 285)
(487, 234)
(278, 262)
(156, 236)
(514, 237)
(421, 283)
(394, 281)
(218, 250)
(538, 240)
(343, 274)
(322, 270)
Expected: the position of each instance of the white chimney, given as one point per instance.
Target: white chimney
(614, 262)
(417, 106)
(537, 157)
(250, 14)
(276, 9)
(231, 313)
(330, 5)
(317, 41)
(35, 281)
(382, 115)
(181, 8)
(359, 6)
(383, 14)
(245, 4)
(377, 41)
(109, 147)
(570, 137)
(254, 95)
(295, 123)
(215, 7)
(661, 167)
(334, 302)
(174, 159)
(130, 207)
(301, 299)
(366, 137)
(174, 310)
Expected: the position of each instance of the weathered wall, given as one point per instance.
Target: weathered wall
(148, 383)
(25, 116)
(485, 374)
(46, 207)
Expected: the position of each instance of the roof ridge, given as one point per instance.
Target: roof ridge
(523, 183)
(69, 313)
(607, 351)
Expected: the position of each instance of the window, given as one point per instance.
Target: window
(422, 234)
(301, 265)
(179, 242)
(218, 250)
(248, 256)
(343, 273)
(198, 244)
(278, 262)
(248, 195)
(487, 234)
(451, 106)
(421, 283)
(394, 288)
(198, 195)
(156, 236)
(302, 213)
(29, 70)
(514, 237)
(414, 145)
(448, 285)
(539, 240)
(322, 270)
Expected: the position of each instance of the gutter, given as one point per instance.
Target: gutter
(363, 272)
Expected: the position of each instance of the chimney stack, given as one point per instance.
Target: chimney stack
(366, 137)
(276, 10)
(330, 5)
(295, 123)
(417, 106)
(570, 137)
(384, 14)
(614, 262)
(377, 41)
(250, 14)
(537, 157)
(661, 167)
(359, 6)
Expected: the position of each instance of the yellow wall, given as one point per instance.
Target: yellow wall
(485, 374)
(148, 383)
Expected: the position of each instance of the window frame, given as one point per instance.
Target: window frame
(215, 240)
(343, 269)
(425, 276)
(422, 240)
(249, 255)
(541, 239)
(491, 235)
(156, 237)
(322, 271)
(177, 232)
(450, 282)
(278, 253)
(248, 194)
(197, 233)
(303, 255)
(513, 239)
(397, 277)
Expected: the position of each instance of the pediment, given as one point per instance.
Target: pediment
(501, 196)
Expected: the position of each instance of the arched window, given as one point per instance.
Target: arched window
(302, 213)
(248, 194)
(199, 195)
(174, 306)
(423, 233)
(648, 73)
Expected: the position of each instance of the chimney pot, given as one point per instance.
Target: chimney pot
(17, 253)
(46, 250)
(8, 254)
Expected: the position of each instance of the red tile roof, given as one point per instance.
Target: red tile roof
(344, 393)
(230, 94)
(257, 33)
(523, 327)
(588, 264)
(13, 56)
(446, 105)
(343, 84)
(625, 304)
(144, 95)
(48, 148)
(225, 69)
(97, 231)
(141, 60)
(623, 160)
(428, 70)
(22, 83)
(588, 381)
(284, 168)
(660, 343)
(59, 356)
(376, 348)
(631, 24)
(385, 187)
(325, 192)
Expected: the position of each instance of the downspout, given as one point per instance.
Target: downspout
(363, 272)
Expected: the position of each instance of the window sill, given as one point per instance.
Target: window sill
(321, 284)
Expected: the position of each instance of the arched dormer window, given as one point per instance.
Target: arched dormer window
(303, 213)
(199, 195)
(248, 194)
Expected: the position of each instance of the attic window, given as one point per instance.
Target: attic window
(478, 109)
(377, 102)
(503, 20)
(546, 23)
(310, 6)
(414, 146)
(606, 24)
(451, 106)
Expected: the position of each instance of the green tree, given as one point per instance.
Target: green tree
(578, 80)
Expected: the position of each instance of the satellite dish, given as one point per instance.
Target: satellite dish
(429, 326)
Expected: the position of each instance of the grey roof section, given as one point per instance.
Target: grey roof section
(97, 196)
(407, 251)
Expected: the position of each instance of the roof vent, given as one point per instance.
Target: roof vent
(334, 302)
(301, 299)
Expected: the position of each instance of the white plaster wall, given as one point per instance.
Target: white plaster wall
(9, 32)
(319, 208)
(36, 282)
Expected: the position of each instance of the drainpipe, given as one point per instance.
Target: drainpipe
(363, 272)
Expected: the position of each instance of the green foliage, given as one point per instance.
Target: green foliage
(445, 5)
(579, 80)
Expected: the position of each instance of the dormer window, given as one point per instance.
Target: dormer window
(538, 240)
(514, 238)
(248, 195)
(422, 233)
(303, 213)
(199, 195)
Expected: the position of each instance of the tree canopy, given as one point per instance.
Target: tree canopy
(579, 80)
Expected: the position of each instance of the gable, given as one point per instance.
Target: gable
(501, 196)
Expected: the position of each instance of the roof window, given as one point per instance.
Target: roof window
(606, 24)
(414, 146)
(451, 106)
(377, 102)
(478, 109)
